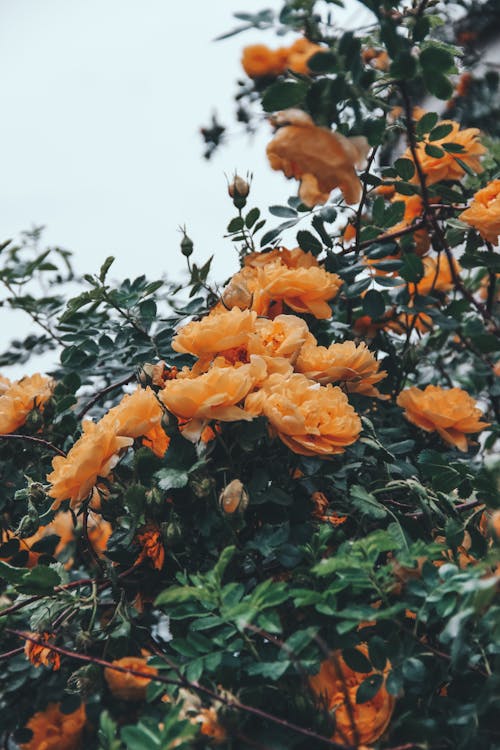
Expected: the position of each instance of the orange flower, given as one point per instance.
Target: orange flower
(54, 730)
(304, 290)
(210, 726)
(449, 411)
(320, 507)
(484, 212)
(220, 330)
(377, 58)
(414, 208)
(93, 455)
(447, 167)
(320, 158)
(137, 415)
(39, 654)
(279, 338)
(215, 394)
(437, 276)
(259, 61)
(463, 85)
(151, 543)
(354, 365)
(405, 322)
(127, 686)
(336, 685)
(309, 418)
(19, 398)
(364, 326)
(300, 53)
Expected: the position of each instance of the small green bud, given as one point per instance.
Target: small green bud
(186, 245)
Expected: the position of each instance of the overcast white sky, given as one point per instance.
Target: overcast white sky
(102, 101)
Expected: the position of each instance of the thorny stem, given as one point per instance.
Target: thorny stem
(184, 682)
(31, 439)
(124, 381)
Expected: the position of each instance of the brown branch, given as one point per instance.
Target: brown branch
(124, 381)
(230, 702)
(31, 439)
(10, 654)
(364, 194)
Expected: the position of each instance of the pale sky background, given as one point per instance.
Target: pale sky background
(102, 101)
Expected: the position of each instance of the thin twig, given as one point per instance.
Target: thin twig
(364, 194)
(31, 439)
(124, 381)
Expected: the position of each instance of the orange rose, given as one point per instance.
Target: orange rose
(336, 685)
(220, 330)
(93, 455)
(450, 412)
(137, 415)
(279, 338)
(484, 212)
(54, 730)
(446, 167)
(18, 399)
(437, 276)
(377, 58)
(39, 654)
(300, 53)
(259, 61)
(309, 418)
(215, 394)
(355, 365)
(304, 290)
(320, 158)
(127, 686)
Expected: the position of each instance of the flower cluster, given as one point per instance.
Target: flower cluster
(259, 61)
(18, 399)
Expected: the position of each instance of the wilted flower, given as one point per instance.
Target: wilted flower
(39, 653)
(233, 498)
(484, 212)
(127, 686)
(349, 363)
(19, 398)
(309, 418)
(320, 158)
(336, 685)
(152, 549)
(450, 412)
(54, 730)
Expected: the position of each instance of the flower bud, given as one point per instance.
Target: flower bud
(238, 190)
(173, 534)
(237, 294)
(83, 681)
(186, 245)
(29, 523)
(233, 498)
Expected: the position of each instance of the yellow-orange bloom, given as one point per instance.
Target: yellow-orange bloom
(437, 276)
(354, 365)
(39, 654)
(320, 158)
(259, 61)
(450, 412)
(309, 418)
(216, 394)
(93, 455)
(54, 730)
(304, 290)
(152, 549)
(220, 330)
(281, 337)
(447, 167)
(484, 212)
(18, 399)
(336, 685)
(137, 415)
(127, 686)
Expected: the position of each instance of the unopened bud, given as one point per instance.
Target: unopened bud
(84, 640)
(83, 681)
(201, 485)
(186, 245)
(173, 534)
(237, 294)
(233, 498)
(238, 189)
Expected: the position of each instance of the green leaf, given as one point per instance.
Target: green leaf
(323, 62)
(435, 59)
(366, 503)
(252, 217)
(373, 304)
(284, 212)
(308, 242)
(105, 268)
(412, 268)
(236, 224)
(394, 213)
(414, 670)
(369, 688)
(434, 151)
(284, 94)
(438, 84)
(225, 558)
(356, 660)
(440, 131)
(39, 580)
(405, 168)
(426, 123)
(270, 670)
